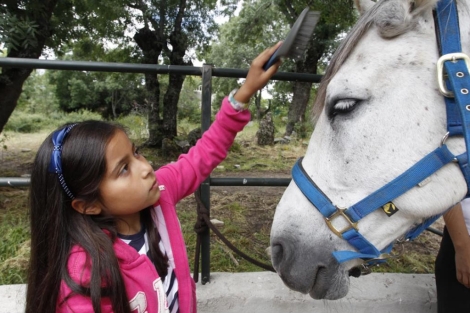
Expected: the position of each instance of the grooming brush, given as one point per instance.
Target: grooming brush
(297, 39)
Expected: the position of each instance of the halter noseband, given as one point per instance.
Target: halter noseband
(454, 87)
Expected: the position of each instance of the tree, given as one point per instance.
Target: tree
(261, 23)
(110, 94)
(336, 17)
(38, 94)
(24, 28)
(27, 27)
(170, 28)
(235, 49)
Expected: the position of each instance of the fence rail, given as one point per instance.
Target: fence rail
(207, 71)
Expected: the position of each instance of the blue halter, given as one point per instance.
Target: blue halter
(457, 99)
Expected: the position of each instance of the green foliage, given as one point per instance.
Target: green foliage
(17, 32)
(24, 122)
(262, 23)
(93, 21)
(77, 116)
(38, 94)
(136, 126)
(189, 104)
(110, 94)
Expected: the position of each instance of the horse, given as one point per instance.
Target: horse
(379, 112)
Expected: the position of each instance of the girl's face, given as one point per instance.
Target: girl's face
(129, 184)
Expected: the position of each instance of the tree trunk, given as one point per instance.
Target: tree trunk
(155, 123)
(12, 79)
(170, 105)
(151, 45)
(298, 106)
(301, 90)
(258, 105)
(179, 43)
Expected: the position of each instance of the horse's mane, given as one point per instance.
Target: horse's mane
(386, 16)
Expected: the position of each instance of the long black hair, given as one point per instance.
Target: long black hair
(56, 226)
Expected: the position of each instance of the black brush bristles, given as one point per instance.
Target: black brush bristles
(303, 36)
(297, 39)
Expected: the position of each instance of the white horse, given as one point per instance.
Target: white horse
(379, 111)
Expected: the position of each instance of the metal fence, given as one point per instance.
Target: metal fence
(207, 71)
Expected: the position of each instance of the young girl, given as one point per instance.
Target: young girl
(104, 232)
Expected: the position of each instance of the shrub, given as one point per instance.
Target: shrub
(23, 122)
(135, 125)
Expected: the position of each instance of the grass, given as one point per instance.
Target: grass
(14, 236)
(246, 215)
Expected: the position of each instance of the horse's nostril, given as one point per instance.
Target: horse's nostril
(355, 272)
(277, 254)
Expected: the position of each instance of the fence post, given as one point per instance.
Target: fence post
(206, 114)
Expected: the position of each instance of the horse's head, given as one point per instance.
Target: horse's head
(379, 111)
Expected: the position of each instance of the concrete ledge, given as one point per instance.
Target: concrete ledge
(264, 292)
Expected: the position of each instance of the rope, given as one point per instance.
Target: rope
(203, 223)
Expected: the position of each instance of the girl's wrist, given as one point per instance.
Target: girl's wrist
(242, 95)
(237, 101)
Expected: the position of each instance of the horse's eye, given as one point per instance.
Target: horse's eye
(343, 106)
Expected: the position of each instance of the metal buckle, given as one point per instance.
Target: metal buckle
(440, 70)
(340, 212)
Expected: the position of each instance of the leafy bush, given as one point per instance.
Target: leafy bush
(79, 116)
(190, 111)
(135, 125)
(24, 122)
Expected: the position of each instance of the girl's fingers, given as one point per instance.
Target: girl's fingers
(264, 56)
(273, 68)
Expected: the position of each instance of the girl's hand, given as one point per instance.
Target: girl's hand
(257, 78)
(455, 223)
(462, 265)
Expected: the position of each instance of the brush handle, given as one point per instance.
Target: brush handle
(272, 60)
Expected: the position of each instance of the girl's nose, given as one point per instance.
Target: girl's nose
(146, 168)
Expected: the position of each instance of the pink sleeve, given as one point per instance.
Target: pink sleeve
(184, 176)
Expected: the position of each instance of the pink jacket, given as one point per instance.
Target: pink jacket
(180, 179)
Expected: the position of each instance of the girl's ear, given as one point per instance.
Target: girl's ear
(85, 208)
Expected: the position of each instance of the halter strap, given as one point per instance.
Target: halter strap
(410, 178)
(457, 81)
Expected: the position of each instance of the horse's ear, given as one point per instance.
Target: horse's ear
(363, 5)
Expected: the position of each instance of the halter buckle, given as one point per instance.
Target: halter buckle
(440, 70)
(340, 212)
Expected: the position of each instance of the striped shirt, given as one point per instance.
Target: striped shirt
(140, 243)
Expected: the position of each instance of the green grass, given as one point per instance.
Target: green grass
(14, 236)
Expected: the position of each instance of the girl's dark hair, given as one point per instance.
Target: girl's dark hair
(56, 227)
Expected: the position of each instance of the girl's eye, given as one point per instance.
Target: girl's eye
(124, 170)
(137, 152)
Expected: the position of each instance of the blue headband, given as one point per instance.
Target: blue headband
(55, 166)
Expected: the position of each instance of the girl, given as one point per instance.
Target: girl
(104, 232)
